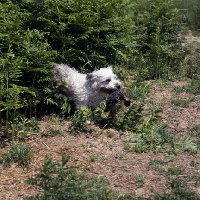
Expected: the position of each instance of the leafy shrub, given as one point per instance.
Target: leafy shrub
(21, 126)
(24, 64)
(62, 181)
(158, 30)
(85, 33)
(190, 13)
(131, 119)
(137, 90)
(78, 120)
(152, 137)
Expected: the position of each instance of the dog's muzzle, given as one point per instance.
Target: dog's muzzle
(118, 86)
(110, 90)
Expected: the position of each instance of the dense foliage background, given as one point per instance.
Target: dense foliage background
(139, 36)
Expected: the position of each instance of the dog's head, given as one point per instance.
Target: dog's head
(104, 80)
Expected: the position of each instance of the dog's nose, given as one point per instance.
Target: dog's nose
(118, 87)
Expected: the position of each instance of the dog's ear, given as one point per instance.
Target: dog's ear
(89, 76)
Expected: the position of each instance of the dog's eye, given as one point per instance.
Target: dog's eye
(108, 80)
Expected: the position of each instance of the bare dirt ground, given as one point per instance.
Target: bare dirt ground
(121, 167)
(189, 38)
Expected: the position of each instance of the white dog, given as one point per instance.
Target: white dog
(86, 89)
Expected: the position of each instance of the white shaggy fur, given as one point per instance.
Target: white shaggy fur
(86, 89)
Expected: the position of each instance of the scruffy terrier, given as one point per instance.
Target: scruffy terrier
(86, 89)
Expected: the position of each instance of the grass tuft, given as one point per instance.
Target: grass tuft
(19, 154)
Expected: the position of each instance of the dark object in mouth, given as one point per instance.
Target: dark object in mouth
(112, 100)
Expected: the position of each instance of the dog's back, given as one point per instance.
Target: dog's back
(71, 82)
(69, 77)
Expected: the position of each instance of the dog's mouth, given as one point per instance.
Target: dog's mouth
(110, 90)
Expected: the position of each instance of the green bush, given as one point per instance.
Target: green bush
(61, 181)
(84, 33)
(25, 58)
(158, 28)
(78, 120)
(152, 138)
(132, 118)
(190, 13)
(20, 127)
